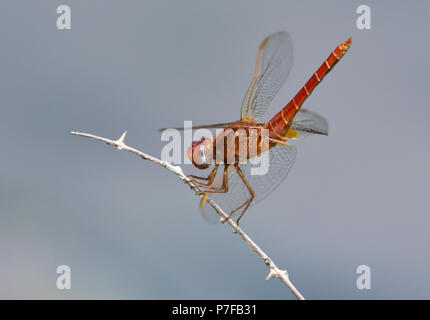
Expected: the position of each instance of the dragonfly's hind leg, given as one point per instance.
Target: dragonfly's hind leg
(247, 203)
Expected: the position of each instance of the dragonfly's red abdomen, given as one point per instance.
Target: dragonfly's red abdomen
(280, 124)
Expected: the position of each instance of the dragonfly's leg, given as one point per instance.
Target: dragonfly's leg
(224, 186)
(207, 186)
(211, 189)
(247, 203)
(223, 189)
(210, 178)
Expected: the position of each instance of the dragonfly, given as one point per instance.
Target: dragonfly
(230, 182)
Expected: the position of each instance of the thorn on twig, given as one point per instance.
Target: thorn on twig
(275, 274)
(120, 141)
(272, 274)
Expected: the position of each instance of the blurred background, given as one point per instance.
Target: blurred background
(130, 229)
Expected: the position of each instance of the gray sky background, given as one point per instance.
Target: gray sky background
(129, 229)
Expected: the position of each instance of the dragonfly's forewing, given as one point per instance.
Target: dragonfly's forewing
(274, 62)
(207, 126)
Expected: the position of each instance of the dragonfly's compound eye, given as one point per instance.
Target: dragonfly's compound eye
(198, 154)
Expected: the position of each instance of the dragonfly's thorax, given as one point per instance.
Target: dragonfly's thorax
(239, 143)
(236, 144)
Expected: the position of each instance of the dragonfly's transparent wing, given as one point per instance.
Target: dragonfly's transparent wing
(274, 62)
(307, 122)
(279, 162)
(207, 126)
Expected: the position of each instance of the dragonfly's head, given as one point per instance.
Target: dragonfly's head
(200, 153)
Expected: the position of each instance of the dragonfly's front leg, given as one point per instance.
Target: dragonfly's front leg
(224, 185)
(210, 178)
